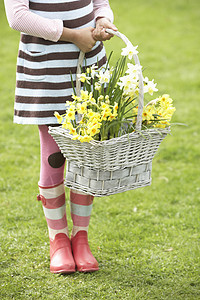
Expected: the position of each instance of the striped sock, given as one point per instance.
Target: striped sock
(81, 208)
(53, 200)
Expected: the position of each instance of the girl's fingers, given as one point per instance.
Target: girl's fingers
(102, 35)
(99, 33)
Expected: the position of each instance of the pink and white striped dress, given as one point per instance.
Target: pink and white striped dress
(43, 83)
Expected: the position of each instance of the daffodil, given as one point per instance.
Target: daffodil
(92, 130)
(59, 117)
(97, 86)
(84, 138)
(161, 124)
(81, 107)
(76, 98)
(67, 125)
(129, 51)
(100, 98)
(84, 95)
(106, 113)
(112, 117)
(70, 115)
(72, 108)
(127, 83)
(135, 110)
(149, 86)
(104, 77)
(133, 69)
(95, 118)
(107, 100)
(90, 113)
(165, 99)
(93, 71)
(90, 98)
(115, 107)
(111, 94)
(83, 77)
(73, 131)
(104, 106)
(146, 114)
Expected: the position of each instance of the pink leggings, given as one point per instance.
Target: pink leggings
(52, 161)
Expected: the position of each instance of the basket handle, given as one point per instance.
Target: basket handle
(136, 59)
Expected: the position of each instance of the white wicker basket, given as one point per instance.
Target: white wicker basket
(102, 168)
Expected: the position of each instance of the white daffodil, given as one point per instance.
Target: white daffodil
(127, 83)
(104, 77)
(83, 77)
(97, 86)
(129, 51)
(93, 70)
(149, 86)
(133, 68)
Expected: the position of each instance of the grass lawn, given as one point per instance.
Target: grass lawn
(146, 240)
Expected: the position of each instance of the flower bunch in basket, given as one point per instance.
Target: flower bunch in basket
(107, 104)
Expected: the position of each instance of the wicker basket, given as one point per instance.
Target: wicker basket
(102, 168)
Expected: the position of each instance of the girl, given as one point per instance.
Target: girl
(53, 33)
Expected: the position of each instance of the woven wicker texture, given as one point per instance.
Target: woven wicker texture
(108, 167)
(99, 183)
(112, 166)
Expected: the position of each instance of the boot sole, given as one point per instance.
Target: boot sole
(88, 270)
(63, 271)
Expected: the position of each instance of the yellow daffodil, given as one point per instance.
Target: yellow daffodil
(84, 138)
(76, 98)
(135, 110)
(84, 95)
(104, 106)
(67, 125)
(95, 118)
(107, 100)
(59, 117)
(146, 115)
(112, 117)
(115, 107)
(81, 107)
(73, 131)
(90, 113)
(90, 98)
(70, 115)
(100, 98)
(72, 108)
(94, 129)
(109, 95)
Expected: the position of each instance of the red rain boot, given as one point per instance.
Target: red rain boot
(85, 261)
(61, 259)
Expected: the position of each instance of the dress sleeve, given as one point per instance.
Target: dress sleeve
(102, 9)
(22, 19)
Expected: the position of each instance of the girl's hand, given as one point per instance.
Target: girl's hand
(99, 33)
(82, 38)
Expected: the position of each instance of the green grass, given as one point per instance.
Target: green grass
(149, 253)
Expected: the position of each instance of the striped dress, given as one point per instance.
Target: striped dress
(43, 82)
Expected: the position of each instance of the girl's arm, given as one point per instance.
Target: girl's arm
(102, 9)
(104, 19)
(22, 19)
